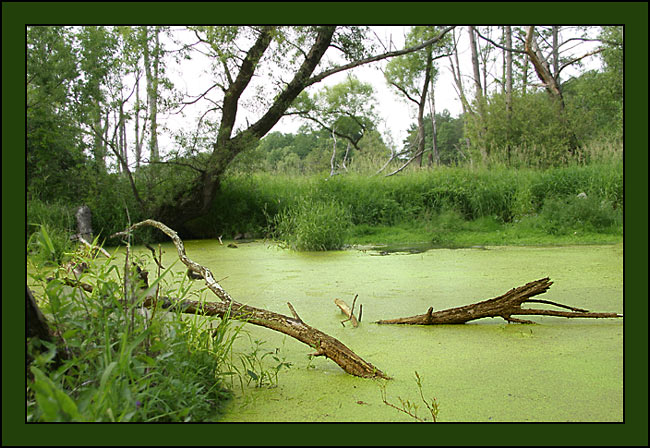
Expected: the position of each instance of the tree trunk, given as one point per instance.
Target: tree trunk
(556, 51)
(37, 327)
(503, 306)
(333, 159)
(475, 65)
(197, 199)
(99, 147)
(458, 80)
(508, 88)
(151, 63)
(542, 68)
(524, 75)
(123, 140)
(137, 146)
(421, 105)
(480, 113)
(434, 157)
(551, 83)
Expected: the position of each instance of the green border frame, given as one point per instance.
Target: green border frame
(15, 15)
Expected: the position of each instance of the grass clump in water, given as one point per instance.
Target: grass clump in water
(312, 225)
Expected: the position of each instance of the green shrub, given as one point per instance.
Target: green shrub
(48, 245)
(120, 363)
(312, 225)
(564, 215)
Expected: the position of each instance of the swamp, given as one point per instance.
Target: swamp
(330, 224)
(557, 370)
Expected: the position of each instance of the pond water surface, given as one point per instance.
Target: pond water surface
(556, 370)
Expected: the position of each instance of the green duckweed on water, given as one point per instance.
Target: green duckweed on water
(558, 370)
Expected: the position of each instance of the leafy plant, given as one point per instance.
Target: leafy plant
(410, 408)
(255, 369)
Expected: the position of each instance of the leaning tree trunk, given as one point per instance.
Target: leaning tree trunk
(295, 327)
(504, 306)
(551, 83)
(196, 200)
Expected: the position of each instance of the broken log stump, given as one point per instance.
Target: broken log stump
(348, 312)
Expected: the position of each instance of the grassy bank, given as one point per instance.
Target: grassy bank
(446, 206)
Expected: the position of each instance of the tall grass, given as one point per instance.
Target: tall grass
(121, 363)
(312, 213)
(312, 225)
(49, 226)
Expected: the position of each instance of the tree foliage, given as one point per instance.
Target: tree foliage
(55, 147)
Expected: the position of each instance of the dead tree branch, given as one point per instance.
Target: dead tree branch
(324, 344)
(504, 306)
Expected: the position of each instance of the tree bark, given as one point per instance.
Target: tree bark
(542, 68)
(332, 160)
(434, 156)
(475, 64)
(504, 306)
(151, 65)
(421, 105)
(324, 344)
(458, 80)
(480, 110)
(556, 52)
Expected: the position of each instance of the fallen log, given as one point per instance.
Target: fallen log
(324, 344)
(504, 306)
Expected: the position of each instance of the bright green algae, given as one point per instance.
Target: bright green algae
(558, 370)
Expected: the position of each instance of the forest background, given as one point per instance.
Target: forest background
(530, 139)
